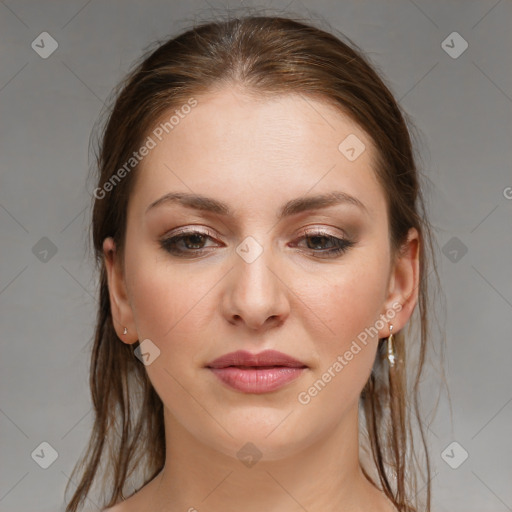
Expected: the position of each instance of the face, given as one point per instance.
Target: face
(257, 267)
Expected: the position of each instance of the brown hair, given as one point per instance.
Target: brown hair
(266, 56)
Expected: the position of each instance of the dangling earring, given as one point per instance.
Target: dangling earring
(125, 331)
(391, 347)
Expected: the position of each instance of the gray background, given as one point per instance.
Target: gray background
(463, 109)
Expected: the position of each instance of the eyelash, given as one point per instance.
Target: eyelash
(168, 243)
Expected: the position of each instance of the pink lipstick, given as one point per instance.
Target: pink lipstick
(256, 373)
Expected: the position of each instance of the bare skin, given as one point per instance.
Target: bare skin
(256, 155)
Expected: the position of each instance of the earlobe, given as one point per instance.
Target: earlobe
(404, 282)
(122, 316)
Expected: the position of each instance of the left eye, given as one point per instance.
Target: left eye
(319, 238)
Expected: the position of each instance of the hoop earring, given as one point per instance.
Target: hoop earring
(391, 347)
(125, 331)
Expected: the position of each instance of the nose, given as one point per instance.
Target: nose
(256, 294)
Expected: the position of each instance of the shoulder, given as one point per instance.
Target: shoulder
(120, 507)
(133, 503)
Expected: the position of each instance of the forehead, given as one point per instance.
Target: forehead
(229, 119)
(238, 145)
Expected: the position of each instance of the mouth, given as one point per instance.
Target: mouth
(262, 360)
(256, 373)
(243, 367)
(255, 367)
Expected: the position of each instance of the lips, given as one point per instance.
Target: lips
(263, 360)
(265, 372)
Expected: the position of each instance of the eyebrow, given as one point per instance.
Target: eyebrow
(292, 207)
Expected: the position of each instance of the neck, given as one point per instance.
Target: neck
(324, 476)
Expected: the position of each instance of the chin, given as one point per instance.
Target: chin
(263, 439)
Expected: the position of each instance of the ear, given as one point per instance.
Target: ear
(122, 315)
(403, 284)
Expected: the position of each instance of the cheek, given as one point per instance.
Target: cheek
(155, 304)
(346, 355)
(349, 300)
(166, 302)
(349, 303)
(164, 297)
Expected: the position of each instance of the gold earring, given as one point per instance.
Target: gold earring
(125, 331)
(391, 347)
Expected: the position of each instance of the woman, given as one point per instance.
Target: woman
(262, 242)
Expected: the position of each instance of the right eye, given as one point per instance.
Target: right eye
(186, 243)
